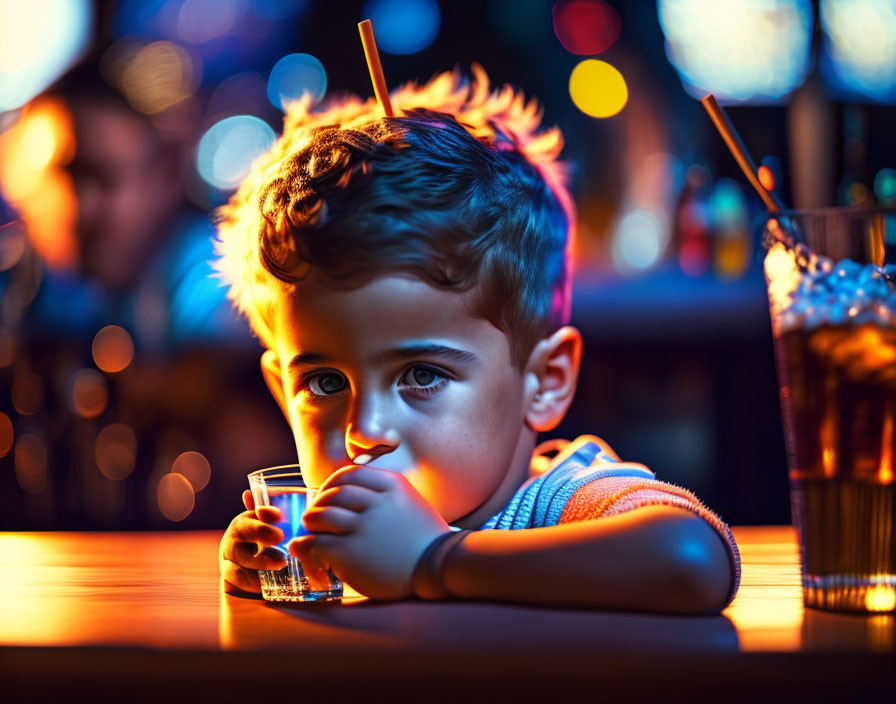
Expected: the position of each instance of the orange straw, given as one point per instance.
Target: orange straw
(376, 69)
(741, 155)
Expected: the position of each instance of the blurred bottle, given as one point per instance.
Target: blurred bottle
(693, 234)
(732, 243)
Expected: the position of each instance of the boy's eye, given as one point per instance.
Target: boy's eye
(421, 378)
(326, 384)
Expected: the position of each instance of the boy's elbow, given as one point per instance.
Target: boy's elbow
(702, 573)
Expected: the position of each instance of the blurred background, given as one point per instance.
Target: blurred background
(130, 394)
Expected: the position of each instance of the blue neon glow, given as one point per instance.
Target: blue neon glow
(229, 147)
(293, 76)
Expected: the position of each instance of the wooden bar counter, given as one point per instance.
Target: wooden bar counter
(140, 617)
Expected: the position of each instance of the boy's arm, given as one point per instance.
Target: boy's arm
(656, 558)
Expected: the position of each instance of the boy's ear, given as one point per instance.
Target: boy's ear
(551, 376)
(273, 377)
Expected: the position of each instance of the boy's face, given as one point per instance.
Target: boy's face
(399, 370)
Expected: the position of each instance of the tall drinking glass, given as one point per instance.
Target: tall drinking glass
(831, 278)
(284, 488)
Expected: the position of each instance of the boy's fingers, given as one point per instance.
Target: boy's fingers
(354, 498)
(330, 519)
(360, 475)
(240, 577)
(250, 530)
(248, 500)
(268, 514)
(247, 555)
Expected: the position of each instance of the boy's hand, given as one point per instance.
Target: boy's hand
(371, 526)
(247, 547)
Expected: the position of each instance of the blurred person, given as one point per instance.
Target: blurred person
(143, 265)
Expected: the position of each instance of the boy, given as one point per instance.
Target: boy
(409, 278)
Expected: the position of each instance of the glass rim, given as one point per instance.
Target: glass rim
(266, 473)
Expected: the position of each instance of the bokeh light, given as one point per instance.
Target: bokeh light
(638, 241)
(116, 451)
(403, 26)
(31, 463)
(740, 50)
(7, 347)
(27, 392)
(296, 75)
(113, 349)
(39, 40)
(194, 467)
(227, 150)
(175, 496)
(154, 76)
(597, 88)
(766, 177)
(89, 393)
(860, 46)
(7, 434)
(885, 186)
(586, 27)
(32, 180)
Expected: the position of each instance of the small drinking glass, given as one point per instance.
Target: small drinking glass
(312, 581)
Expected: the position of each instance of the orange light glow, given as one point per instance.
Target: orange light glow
(176, 496)
(116, 451)
(885, 474)
(31, 463)
(90, 393)
(112, 349)
(766, 178)
(7, 434)
(32, 153)
(194, 467)
(880, 598)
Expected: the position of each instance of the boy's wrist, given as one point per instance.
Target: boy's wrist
(427, 582)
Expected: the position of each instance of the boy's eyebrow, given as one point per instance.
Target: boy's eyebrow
(398, 353)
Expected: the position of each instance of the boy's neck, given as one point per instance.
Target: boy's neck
(513, 480)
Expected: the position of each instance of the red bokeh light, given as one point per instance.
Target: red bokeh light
(586, 27)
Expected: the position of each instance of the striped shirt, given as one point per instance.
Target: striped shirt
(587, 480)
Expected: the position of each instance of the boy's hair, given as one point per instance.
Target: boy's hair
(460, 189)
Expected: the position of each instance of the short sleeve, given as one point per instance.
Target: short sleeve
(609, 496)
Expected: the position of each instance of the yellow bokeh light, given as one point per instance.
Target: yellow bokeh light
(112, 349)
(880, 598)
(597, 88)
(176, 496)
(157, 76)
(194, 467)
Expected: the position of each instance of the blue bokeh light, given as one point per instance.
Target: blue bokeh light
(293, 76)
(227, 150)
(403, 26)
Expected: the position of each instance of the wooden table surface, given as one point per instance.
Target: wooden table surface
(146, 607)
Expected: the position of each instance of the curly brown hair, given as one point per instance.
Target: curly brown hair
(459, 189)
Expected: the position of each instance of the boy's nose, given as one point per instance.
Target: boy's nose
(369, 433)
